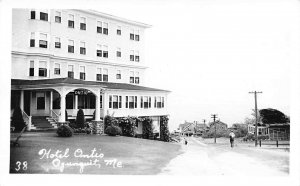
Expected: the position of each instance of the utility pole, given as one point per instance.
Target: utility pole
(256, 119)
(214, 116)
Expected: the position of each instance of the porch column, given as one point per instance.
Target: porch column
(51, 102)
(104, 103)
(76, 102)
(97, 112)
(22, 100)
(62, 107)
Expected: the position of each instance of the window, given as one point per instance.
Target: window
(57, 68)
(115, 101)
(131, 78)
(82, 48)
(159, 102)
(105, 28)
(146, 102)
(70, 71)
(99, 27)
(31, 68)
(118, 75)
(82, 23)
(132, 35)
(137, 57)
(58, 17)
(131, 55)
(71, 46)
(119, 30)
(71, 21)
(105, 75)
(110, 102)
(137, 78)
(105, 51)
(42, 69)
(137, 36)
(32, 14)
(32, 39)
(131, 102)
(43, 41)
(82, 72)
(40, 101)
(57, 42)
(99, 75)
(43, 16)
(101, 101)
(118, 52)
(99, 51)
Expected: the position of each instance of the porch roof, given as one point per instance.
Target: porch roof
(108, 85)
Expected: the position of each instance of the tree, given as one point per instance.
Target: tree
(80, 119)
(241, 129)
(271, 116)
(17, 119)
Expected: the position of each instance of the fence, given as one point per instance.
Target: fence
(286, 143)
(277, 134)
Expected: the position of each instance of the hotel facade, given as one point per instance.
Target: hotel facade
(65, 60)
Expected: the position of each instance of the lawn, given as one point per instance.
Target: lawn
(90, 154)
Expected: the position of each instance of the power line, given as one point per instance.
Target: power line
(256, 119)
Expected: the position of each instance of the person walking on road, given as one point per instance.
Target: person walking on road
(185, 141)
(231, 137)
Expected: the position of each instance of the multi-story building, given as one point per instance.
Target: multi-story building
(72, 59)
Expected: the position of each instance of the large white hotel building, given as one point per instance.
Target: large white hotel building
(71, 59)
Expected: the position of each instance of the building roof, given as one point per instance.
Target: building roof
(59, 81)
(218, 122)
(97, 13)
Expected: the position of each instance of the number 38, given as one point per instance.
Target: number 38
(21, 165)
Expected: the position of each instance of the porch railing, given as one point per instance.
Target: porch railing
(27, 120)
(54, 116)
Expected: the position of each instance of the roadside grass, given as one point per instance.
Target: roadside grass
(138, 156)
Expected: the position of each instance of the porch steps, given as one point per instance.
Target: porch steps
(41, 123)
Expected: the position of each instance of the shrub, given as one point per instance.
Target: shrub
(128, 125)
(17, 119)
(113, 130)
(64, 131)
(80, 119)
(147, 128)
(109, 121)
(164, 129)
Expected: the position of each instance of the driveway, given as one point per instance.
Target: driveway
(219, 159)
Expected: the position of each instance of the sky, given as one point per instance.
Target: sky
(211, 54)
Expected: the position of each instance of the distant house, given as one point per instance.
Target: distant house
(277, 131)
(187, 128)
(220, 127)
(201, 128)
(192, 128)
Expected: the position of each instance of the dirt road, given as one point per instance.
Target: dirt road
(202, 159)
